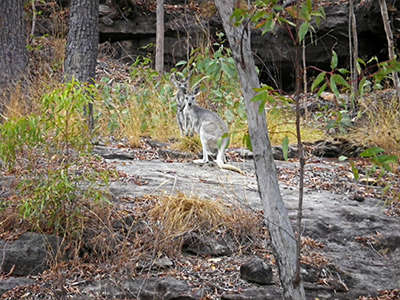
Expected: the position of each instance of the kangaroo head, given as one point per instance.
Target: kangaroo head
(182, 84)
(190, 98)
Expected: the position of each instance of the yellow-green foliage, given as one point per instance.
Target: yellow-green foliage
(282, 122)
(144, 108)
(379, 125)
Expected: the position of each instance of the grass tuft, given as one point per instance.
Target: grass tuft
(180, 214)
(379, 125)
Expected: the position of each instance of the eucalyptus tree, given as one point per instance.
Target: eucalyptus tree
(160, 37)
(390, 41)
(276, 215)
(13, 53)
(82, 44)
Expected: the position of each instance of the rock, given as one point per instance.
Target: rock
(253, 294)
(257, 271)
(112, 153)
(28, 255)
(335, 148)
(329, 216)
(155, 264)
(204, 245)
(6, 187)
(277, 152)
(137, 28)
(13, 282)
(144, 289)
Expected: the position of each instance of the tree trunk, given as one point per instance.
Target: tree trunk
(13, 53)
(160, 37)
(299, 141)
(82, 44)
(276, 215)
(82, 41)
(389, 37)
(353, 48)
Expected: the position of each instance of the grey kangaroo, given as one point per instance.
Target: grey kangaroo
(212, 129)
(182, 86)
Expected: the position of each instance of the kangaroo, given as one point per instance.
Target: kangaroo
(212, 129)
(180, 101)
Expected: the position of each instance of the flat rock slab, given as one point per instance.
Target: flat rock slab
(331, 218)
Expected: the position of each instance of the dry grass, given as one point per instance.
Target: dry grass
(46, 56)
(380, 124)
(188, 144)
(180, 214)
(282, 123)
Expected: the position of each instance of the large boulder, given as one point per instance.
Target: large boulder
(29, 255)
(132, 33)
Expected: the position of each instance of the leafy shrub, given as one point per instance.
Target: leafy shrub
(48, 154)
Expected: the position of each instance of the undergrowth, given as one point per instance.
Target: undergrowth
(62, 188)
(57, 181)
(379, 124)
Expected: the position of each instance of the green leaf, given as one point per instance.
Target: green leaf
(285, 147)
(303, 30)
(339, 80)
(247, 141)
(261, 107)
(334, 61)
(355, 171)
(229, 70)
(268, 26)
(371, 152)
(261, 96)
(305, 13)
(362, 85)
(334, 87)
(385, 160)
(322, 89)
(261, 14)
(318, 80)
(343, 71)
(342, 158)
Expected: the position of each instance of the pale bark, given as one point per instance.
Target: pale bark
(160, 37)
(389, 37)
(353, 48)
(299, 144)
(276, 215)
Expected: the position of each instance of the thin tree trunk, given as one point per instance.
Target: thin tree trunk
(304, 66)
(353, 46)
(160, 37)
(13, 53)
(299, 143)
(82, 44)
(276, 215)
(389, 37)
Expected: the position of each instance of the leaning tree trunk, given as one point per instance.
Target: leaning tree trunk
(389, 37)
(82, 43)
(276, 215)
(160, 37)
(13, 53)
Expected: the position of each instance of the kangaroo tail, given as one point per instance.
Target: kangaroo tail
(230, 168)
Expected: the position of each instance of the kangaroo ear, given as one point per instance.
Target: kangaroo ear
(189, 75)
(196, 91)
(173, 79)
